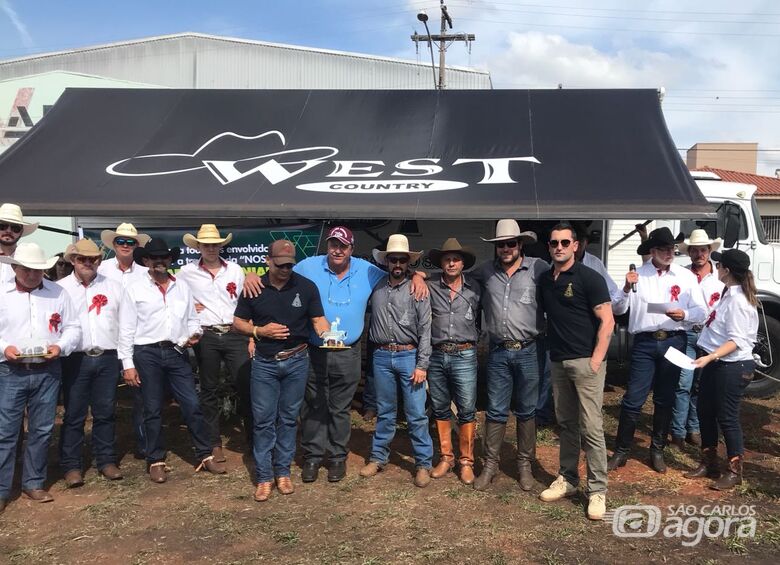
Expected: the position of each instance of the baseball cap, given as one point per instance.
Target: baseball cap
(282, 251)
(343, 234)
(733, 259)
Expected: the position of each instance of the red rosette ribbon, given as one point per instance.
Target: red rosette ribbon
(675, 293)
(231, 288)
(714, 298)
(54, 322)
(710, 319)
(98, 301)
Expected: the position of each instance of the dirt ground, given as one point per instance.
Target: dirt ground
(197, 518)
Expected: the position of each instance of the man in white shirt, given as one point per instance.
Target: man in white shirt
(89, 377)
(123, 269)
(157, 320)
(13, 227)
(675, 291)
(215, 285)
(38, 324)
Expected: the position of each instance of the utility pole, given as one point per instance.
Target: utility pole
(443, 38)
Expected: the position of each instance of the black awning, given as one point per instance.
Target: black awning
(352, 154)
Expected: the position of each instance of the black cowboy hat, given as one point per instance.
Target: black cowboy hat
(155, 248)
(452, 246)
(661, 237)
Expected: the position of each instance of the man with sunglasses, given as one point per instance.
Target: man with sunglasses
(514, 322)
(675, 290)
(579, 327)
(13, 227)
(89, 373)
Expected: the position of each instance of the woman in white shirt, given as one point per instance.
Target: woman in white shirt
(727, 365)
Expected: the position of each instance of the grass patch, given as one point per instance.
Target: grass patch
(287, 538)
(546, 436)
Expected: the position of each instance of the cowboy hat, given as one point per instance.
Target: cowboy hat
(29, 255)
(12, 214)
(123, 230)
(208, 233)
(452, 246)
(699, 237)
(661, 237)
(396, 244)
(508, 229)
(156, 247)
(85, 247)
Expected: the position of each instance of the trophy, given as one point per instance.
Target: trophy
(334, 338)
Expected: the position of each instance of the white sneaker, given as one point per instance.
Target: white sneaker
(597, 506)
(560, 488)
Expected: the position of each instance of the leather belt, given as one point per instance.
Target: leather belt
(661, 335)
(27, 366)
(218, 329)
(160, 344)
(395, 347)
(287, 353)
(452, 347)
(697, 328)
(97, 352)
(512, 345)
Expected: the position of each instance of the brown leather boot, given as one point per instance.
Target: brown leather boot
(708, 466)
(466, 434)
(732, 477)
(526, 453)
(494, 438)
(447, 460)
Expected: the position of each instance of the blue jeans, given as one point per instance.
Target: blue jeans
(276, 391)
(722, 388)
(684, 417)
(393, 370)
(156, 366)
(544, 407)
(512, 380)
(651, 371)
(453, 377)
(37, 390)
(369, 390)
(88, 383)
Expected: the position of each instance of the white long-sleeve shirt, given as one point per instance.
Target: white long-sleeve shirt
(590, 260)
(149, 315)
(711, 287)
(97, 306)
(33, 316)
(217, 293)
(677, 286)
(110, 269)
(732, 319)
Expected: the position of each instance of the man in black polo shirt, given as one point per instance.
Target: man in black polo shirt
(579, 322)
(280, 320)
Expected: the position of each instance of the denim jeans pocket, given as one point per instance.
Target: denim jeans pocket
(5, 370)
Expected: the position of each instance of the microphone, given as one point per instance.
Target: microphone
(632, 268)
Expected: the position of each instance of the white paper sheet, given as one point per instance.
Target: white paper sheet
(679, 358)
(661, 307)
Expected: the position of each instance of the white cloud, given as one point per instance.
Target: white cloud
(18, 24)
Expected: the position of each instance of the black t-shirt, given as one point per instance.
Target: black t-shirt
(572, 326)
(293, 306)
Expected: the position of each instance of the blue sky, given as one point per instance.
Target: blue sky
(717, 59)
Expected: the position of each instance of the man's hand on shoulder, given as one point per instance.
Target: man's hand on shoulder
(253, 286)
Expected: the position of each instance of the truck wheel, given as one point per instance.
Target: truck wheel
(763, 387)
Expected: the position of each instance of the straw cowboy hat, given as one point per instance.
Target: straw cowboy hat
(396, 244)
(156, 247)
(508, 229)
(700, 237)
(85, 247)
(30, 255)
(208, 233)
(453, 246)
(12, 214)
(123, 230)
(661, 237)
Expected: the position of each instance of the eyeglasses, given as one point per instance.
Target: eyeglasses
(61, 264)
(718, 266)
(331, 300)
(402, 260)
(85, 259)
(125, 241)
(512, 243)
(284, 266)
(16, 228)
(563, 242)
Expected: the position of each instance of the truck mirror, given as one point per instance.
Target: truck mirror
(732, 216)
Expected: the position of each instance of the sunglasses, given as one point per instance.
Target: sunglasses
(85, 259)
(16, 228)
(121, 241)
(402, 260)
(512, 243)
(285, 266)
(563, 242)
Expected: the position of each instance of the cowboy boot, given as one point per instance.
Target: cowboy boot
(662, 420)
(526, 453)
(447, 459)
(466, 434)
(732, 477)
(708, 466)
(623, 441)
(494, 437)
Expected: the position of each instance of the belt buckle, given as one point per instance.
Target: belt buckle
(449, 347)
(660, 335)
(94, 352)
(513, 345)
(221, 329)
